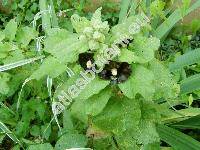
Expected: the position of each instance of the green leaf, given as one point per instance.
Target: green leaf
(124, 10)
(168, 24)
(14, 56)
(127, 142)
(54, 19)
(65, 46)
(92, 88)
(67, 121)
(50, 66)
(146, 132)
(35, 130)
(11, 135)
(79, 23)
(145, 48)
(186, 59)
(41, 147)
(91, 106)
(71, 141)
(176, 139)
(152, 146)
(127, 56)
(141, 81)
(11, 29)
(4, 78)
(125, 29)
(119, 115)
(25, 35)
(190, 84)
(5, 49)
(157, 8)
(46, 22)
(171, 116)
(46, 131)
(19, 63)
(191, 123)
(165, 86)
(2, 36)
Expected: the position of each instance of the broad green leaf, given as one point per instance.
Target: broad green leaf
(67, 121)
(92, 106)
(186, 59)
(92, 88)
(176, 139)
(79, 23)
(6, 47)
(190, 84)
(145, 48)
(146, 132)
(65, 46)
(14, 56)
(71, 141)
(50, 66)
(25, 35)
(97, 23)
(81, 86)
(140, 82)
(22, 128)
(127, 56)
(129, 26)
(11, 29)
(35, 130)
(4, 79)
(55, 35)
(40, 147)
(127, 142)
(165, 86)
(119, 115)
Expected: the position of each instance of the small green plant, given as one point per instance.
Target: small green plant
(94, 86)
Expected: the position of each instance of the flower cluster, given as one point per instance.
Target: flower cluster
(93, 31)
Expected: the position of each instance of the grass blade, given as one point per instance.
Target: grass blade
(186, 60)
(124, 10)
(148, 3)
(54, 19)
(46, 22)
(191, 123)
(168, 24)
(133, 8)
(9, 133)
(19, 63)
(190, 84)
(6, 107)
(176, 139)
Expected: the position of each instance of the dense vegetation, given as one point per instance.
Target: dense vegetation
(146, 96)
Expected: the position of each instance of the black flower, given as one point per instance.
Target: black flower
(117, 72)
